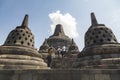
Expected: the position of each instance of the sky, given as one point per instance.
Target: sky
(74, 15)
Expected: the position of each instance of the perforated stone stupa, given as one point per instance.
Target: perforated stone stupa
(18, 51)
(101, 48)
(73, 49)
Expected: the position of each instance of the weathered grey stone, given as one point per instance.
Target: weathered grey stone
(18, 51)
(21, 57)
(35, 77)
(102, 45)
(60, 74)
(102, 77)
(15, 77)
(73, 49)
(26, 77)
(97, 57)
(59, 39)
(44, 47)
(107, 61)
(114, 55)
(21, 36)
(85, 77)
(115, 76)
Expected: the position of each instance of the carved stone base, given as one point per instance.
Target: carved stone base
(20, 58)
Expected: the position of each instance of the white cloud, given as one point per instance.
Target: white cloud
(68, 21)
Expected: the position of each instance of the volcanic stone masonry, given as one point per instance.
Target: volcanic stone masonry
(101, 48)
(18, 51)
(99, 59)
(60, 39)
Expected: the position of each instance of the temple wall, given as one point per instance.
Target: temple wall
(74, 74)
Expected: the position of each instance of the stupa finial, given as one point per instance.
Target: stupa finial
(93, 19)
(25, 21)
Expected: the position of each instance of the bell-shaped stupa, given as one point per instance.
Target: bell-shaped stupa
(44, 48)
(101, 48)
(59, 38)
(73, 49)
(98, 34)
(21, 36)
(18, 51)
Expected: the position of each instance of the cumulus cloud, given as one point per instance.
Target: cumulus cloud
(68, 21)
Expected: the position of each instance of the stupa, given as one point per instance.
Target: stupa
(58, 39)
(18, 51)
(73, 49)
(44, 48)
(101, 48)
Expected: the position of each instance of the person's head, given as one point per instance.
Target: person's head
(51, 50)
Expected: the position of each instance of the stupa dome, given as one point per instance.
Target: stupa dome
(18, 51)
(101, 48)
(98, 34)
(21, 36)
(59, 38)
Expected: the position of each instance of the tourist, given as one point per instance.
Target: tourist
(51, 51)
(63, 52)
(49, 60)
(59, 51)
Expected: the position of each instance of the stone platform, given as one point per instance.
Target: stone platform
(64, 74)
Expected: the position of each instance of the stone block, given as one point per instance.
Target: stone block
(75, 75)
(102, 77)
(107, 61)
(91, 77)
(104, 56)
(5, 77)
(114, 55)
(116, 60)
(90, 62)
(26, 76)
(95, 71)
(85, 77)
(96, 62)
(91, 57)
(96, 57)
(15, 77)
(119, 55)
(115, 76)
(35, 77)
(86, 58)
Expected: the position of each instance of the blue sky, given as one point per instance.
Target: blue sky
(12, 13)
